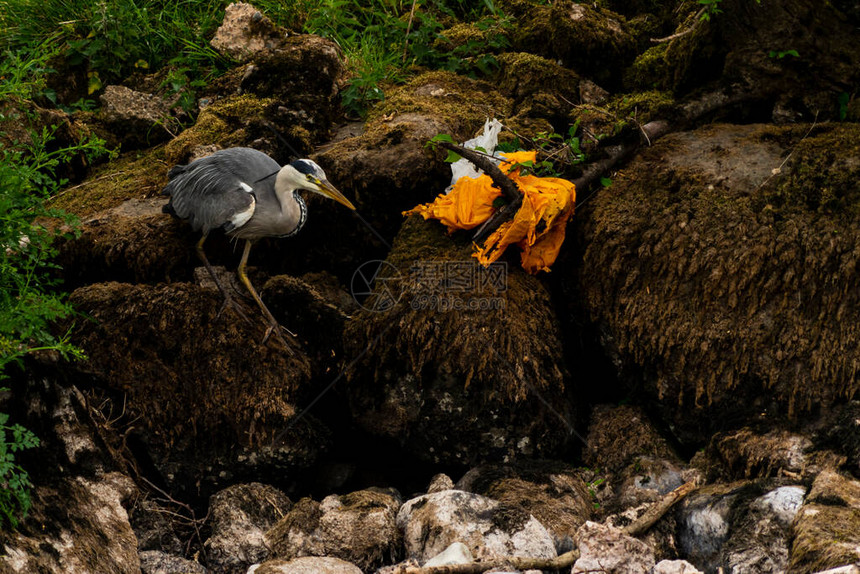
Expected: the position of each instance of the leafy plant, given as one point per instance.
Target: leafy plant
(29, 299)
(15, 482)
(780, 54)
(710, 8)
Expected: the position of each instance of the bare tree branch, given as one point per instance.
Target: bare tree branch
(657, 510)
(516, 562)
(482, 162)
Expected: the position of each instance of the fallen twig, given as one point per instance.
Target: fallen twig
(675, 36)
(565, 560)
(690, 112)
(657, 510)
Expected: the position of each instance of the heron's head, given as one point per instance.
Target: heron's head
(305, 174)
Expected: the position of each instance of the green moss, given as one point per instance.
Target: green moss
(460, 34)
(643, 106)
(824, 174)
(134, 175)
(522, 74)
(454, 99)
(230, 122)
(648, 71)
(824, 537)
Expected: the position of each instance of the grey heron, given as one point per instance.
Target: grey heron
(248, 195)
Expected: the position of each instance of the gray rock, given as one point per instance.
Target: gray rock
(140, 119)
(244, 32)
(240, 515)
(603, 548)
(457, 553)
(359, 527)
(704, 524)
(432, 522)
(306, 565)
(740, 527)
(675, 567)
(153, 528)
(78, 520)
(157, 562)
(759, 540)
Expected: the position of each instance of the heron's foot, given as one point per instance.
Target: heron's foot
(275, 327)
(230, 302)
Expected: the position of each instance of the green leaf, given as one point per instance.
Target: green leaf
(605, 181)
(442, 138)
(452, 157)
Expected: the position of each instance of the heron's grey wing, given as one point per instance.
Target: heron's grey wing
(210, 195)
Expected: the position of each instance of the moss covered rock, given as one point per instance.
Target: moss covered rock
(720, 279)
(136, 175)
(358, 527)
(539, 87)
(459, 372)
(552, 492)
(826, 528)
(134, 242)
(208, 397)
(388, 166)
(594, 42)
(751, 46)
(235, 121)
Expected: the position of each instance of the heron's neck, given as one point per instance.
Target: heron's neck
(293, 208)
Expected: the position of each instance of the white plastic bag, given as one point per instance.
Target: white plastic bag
(487, 141)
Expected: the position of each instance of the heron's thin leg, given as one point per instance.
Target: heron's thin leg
(273, 323)
(228, 299)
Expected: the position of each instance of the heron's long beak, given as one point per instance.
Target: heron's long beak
(330, 191)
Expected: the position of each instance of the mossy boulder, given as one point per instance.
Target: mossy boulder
(751, 47)
(209, 400)
(551, 491)
(303, 74)
(388, 167)
(618, 435)
(134, 242)
(594, 42)
(316, 307)
(461, 372)
(825, 532)
(245, 120)
(719, 272)
(358, 527)
(746, 453)
(540, 88)
(136, 175)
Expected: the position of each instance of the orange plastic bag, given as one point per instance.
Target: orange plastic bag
(537, 228)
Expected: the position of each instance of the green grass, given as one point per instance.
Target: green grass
(381, 39)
